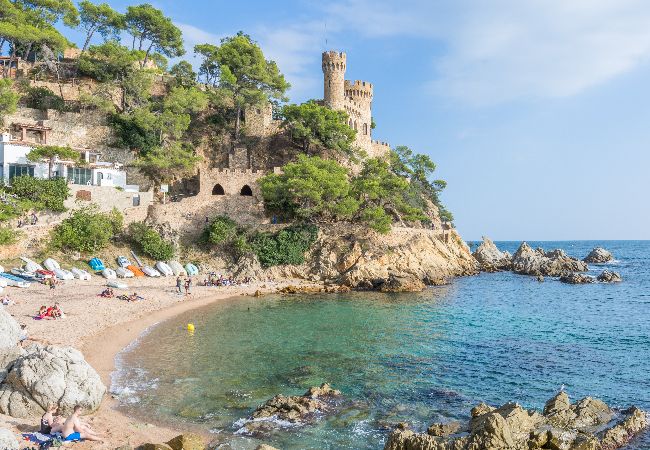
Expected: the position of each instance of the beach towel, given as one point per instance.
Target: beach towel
(44, 441)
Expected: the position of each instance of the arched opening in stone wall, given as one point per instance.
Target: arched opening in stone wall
(246, 191)
(218, 190)
(365, 129)
(355, 125)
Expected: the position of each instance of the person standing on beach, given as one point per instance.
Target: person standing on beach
(179, 284)
(188, 285)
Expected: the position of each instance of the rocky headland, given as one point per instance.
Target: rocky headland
(588, 424)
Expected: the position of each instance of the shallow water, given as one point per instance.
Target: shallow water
(409, 357)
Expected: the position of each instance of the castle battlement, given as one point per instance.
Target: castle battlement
(384, 144)
(359, 90)
(226, 172)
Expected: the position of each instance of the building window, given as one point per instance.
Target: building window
(79, 175)
(365, 129)
(16, 170)
(246, 191)
(218, 190)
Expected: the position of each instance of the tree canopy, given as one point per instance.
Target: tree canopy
(51, 153)
(8, 98)
(101, 19)
(153, 31)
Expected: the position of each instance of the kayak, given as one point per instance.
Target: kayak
(122, 261)
(14, 281)
(33, 266)
(45, 274)
(177, 268)
(24, 274)
(96, 264)
(136, 271)
(51, 264)
(164, 269)
(150, 271)
(109, 274)
(63, 274)
(80, 273)
(124, 273)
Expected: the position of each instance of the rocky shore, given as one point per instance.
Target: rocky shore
(588, 424)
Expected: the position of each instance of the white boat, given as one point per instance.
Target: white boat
(14, 280)
(23, 273)
(109, 274)
(31, 266)
(191, 269)
(177, 268)
(123, 261)
(117, 285)
(2, 269)
(51, 264)
(3, 281)
(164, 269)
(150, 271)
(80, 273)
(123, 272)
(63, 274)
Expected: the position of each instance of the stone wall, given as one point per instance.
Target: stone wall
(107, 198)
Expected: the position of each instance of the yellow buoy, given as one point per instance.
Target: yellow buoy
(190, 327)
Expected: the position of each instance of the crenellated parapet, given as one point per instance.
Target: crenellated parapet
(359, 91)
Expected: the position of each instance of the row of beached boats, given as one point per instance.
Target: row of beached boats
(32, 271)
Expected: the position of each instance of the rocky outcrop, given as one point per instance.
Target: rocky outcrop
(490, 258)
(50, 375)
(296, 409)
(8, 357)
(598, 256)
(577, 278)
(187, 441)
(607, 276)
(444, 429)
(537, 262)
(10, 331)
(8, 440)
(402, 284)
(586, 425)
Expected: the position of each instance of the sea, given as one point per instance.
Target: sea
(417, 358)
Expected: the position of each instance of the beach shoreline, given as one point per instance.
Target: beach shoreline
(102, 328)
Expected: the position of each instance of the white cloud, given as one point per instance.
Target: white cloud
(504, 50)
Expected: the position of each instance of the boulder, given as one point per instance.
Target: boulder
(187, 441)
(402, 284)
(10, 331)
(490, 258)
(265, 447)
(563, 426)
(608, 276)
(577, 278)
(444, 429)
(8, 440)
(150, 446)
(50, 375)
(598, 256)
(8, 356)
(555, 263)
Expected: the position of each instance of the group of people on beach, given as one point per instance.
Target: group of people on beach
(219, 280)
(70, 429)
(180, 284)
(52, 312)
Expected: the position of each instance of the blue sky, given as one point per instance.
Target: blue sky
(536, 112)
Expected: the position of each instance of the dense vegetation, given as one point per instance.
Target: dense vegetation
(31, 194)
(87, 230)
(149, 242)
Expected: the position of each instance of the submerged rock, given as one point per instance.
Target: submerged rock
(585, 425)
(608, 276)
(47, 375)
(187, 441)
(10, 331)
(555, 263)
(577, 278)
(598, 256)
(402, 284)
(490, 258)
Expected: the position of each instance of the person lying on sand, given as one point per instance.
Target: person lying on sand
(57, 312)
(6, 301)
(107, 293)
(135, 297)
(74, 429)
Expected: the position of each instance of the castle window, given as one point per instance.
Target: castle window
(218, 190)
(365, 129)
(355, 125)
(246, 191)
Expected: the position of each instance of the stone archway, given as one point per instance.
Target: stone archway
(246, 191)
(218, 190)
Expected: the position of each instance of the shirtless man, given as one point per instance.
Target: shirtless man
(74, 429)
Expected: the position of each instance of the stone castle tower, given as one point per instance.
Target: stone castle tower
(353, 97)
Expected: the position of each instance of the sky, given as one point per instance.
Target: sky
(536, 112)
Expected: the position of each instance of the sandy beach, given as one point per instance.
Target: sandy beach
(101, 328)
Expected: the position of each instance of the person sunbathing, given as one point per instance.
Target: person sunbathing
(74, 429)
(135, 297)
(57, 312)
(42, 312)
(47, 420)
(6, 301)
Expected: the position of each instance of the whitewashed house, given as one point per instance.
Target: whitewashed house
(14, 162)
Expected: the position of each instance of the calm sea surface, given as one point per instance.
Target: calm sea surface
(409, 357)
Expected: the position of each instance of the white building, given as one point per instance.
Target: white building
(14, 162)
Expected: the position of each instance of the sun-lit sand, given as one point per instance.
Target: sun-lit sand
(102, 327)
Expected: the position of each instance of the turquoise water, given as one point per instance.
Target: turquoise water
(409, 357)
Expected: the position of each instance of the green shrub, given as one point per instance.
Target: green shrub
(44, 194)
(150, 242)
(9, 236)
(87, 230)
(222, 229)
(287, 246)
(43, 98)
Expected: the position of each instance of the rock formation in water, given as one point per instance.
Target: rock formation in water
(402, 284)
(577, 278)
(491, 258)
(296, 409)
(588, 424)
(45, 375)
(555, 263)
(10, 331)
(598, 256)
(607, 276)
(359, 258)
